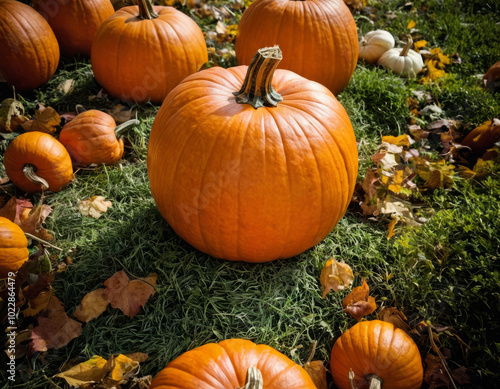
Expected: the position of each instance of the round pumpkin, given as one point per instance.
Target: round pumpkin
(29, 48)
(318, 38)
(36, 161)
(75, 22)
(13, 247)
(257, 176)
(226, 364)
(376, 350)
(151, 48)
(90, 138)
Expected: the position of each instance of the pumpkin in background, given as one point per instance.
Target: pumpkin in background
(374, 44)
(376, 350)
(483, 137)
(36, 161)
(402, 61)
(142, 52)
(318, 38)
(230, 364)
(13, 247)
(254, 177)
(29, 49)
(91, 138)
(75, 22)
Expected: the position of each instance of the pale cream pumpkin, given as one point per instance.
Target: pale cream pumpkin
(402, 61)
(374, 44)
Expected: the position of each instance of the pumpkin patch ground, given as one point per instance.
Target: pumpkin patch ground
(406, 268)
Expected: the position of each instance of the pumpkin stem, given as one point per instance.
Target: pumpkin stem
(375, 381)
(146, 10)
(79, 109)
(29, 171)
(254, 379)
(122, 127)
(407, 47)
(257, 89)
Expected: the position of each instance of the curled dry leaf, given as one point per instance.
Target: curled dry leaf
(116, 371)
(359, 303)
(395, 317)
(38, 303)
(11, 115)
(335, 276)
(94, 207)
(317, 372)
(91, 306)
(55, 329)
(46, 120)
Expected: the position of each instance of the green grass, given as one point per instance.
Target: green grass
(446, 272)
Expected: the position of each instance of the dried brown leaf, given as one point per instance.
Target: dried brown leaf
(395, 317)
(317, 372)
(46, 120)
(11, 115)
(335, 276)
(91, 306)
(359, 303)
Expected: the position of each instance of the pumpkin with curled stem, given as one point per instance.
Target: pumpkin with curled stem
(74, 22)
(232, 364)
(402, 61)
(35, 161)
(379, 356)
(90, 138)
(29, 49)
(142, 52)
(318, 38)
(252, 164)
(374, 44)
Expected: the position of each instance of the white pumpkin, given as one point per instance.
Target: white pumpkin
(374, 44)
(402, 61)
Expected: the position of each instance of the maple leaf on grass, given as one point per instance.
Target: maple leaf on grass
(55, 329)
(335, 276)
(91, 306)
(46, 120)
(359, 303)
(129, 296)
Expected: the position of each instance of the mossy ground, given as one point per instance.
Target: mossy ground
(446, 272)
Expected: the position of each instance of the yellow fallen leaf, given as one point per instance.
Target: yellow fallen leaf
(121, 367)
(91, 371)
(392, 224)
(411, 24)
(402, 140)
(335, 275)
(419, 44)
(46, 120)
(91, 306)
(94, 207)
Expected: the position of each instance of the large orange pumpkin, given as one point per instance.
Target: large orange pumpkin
(90, 138)
(13, 247)
(377, 353)
(36, 161)
(29, 49)
(141, 53)
(318, 38)
(75, 22)
(226, 364)
(254, 177)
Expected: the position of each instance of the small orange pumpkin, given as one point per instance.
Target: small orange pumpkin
(142, 52)
(231, 364)
(75, 22)
(13, 247)
(379, 355)
(29, 49)
(36, 161)
(90, 138)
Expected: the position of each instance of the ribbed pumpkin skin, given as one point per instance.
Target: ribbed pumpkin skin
(224, 365)
(376, 347)
(90, 138)
(246, 184)
(29, 49)
(13, 247)
(318, 38)
(75, 22)
(140, 60)
(46, 153)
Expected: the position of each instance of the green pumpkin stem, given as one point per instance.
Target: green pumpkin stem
(146, 10)
(407, 47)
(30, 173)
(257, 89)
(375, 381)
(124, 126)
(254, 379)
